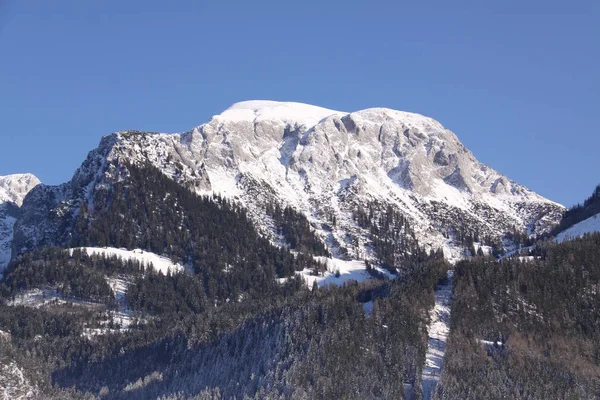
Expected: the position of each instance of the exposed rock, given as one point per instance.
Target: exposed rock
(323, 163)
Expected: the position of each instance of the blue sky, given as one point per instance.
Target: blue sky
(518, 82)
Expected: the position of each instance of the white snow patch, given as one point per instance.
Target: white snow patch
(527, 258)
(450, 195)
(121, 322)
(589, 225)
(36, 298)
(266, 110)
(516, 251)
(368, 307)
(224, 183)
(439, 327)
(490, 343)
(353, 270)
(119, 286)
(160, 263)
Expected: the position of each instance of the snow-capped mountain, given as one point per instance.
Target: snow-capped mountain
(328, 165)
(13, 189)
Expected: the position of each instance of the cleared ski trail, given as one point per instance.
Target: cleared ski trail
(438, 330)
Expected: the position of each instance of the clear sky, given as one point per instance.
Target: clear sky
(517, 81)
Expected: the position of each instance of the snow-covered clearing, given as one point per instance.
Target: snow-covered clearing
(160, 263)
(439, 327)
(527, 258)
(40, 297)
(513, 252)
(36, 298)
(115, 322)
(119, 286)
(589, 225)
(353, 270)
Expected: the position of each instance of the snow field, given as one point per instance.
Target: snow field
(353, 270)
(438, 330)
(161, 264)
(589, 225)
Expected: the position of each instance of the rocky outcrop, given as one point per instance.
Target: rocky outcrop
(324, 163)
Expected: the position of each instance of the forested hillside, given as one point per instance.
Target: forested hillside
(527, 328)
(580, 212)
(293, 343)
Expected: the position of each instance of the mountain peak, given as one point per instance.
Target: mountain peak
(14, 188)
(307, 115)
(326, 164)
(290, 106)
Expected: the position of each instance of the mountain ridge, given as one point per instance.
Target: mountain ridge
(325, 164)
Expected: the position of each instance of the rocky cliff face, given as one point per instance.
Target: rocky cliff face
(13, 189)
(327, 164)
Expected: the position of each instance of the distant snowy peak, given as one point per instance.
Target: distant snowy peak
(589, 225)
(14, 188)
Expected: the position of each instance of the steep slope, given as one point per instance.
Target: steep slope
(13, 189)
(438, 329)
(328, 166)
(589, 225)
(580, 219)
(141, 208)
(526, 330)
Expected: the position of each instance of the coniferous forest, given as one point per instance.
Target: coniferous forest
(224, 327)
(527, 328)
(293, 343)
(580, 212)
(286, 200)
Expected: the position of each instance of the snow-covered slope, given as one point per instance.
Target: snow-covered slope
(13, 189)
(338, 272)
(326, 164)
(437, 332)
(160, 263)
(589, 225)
